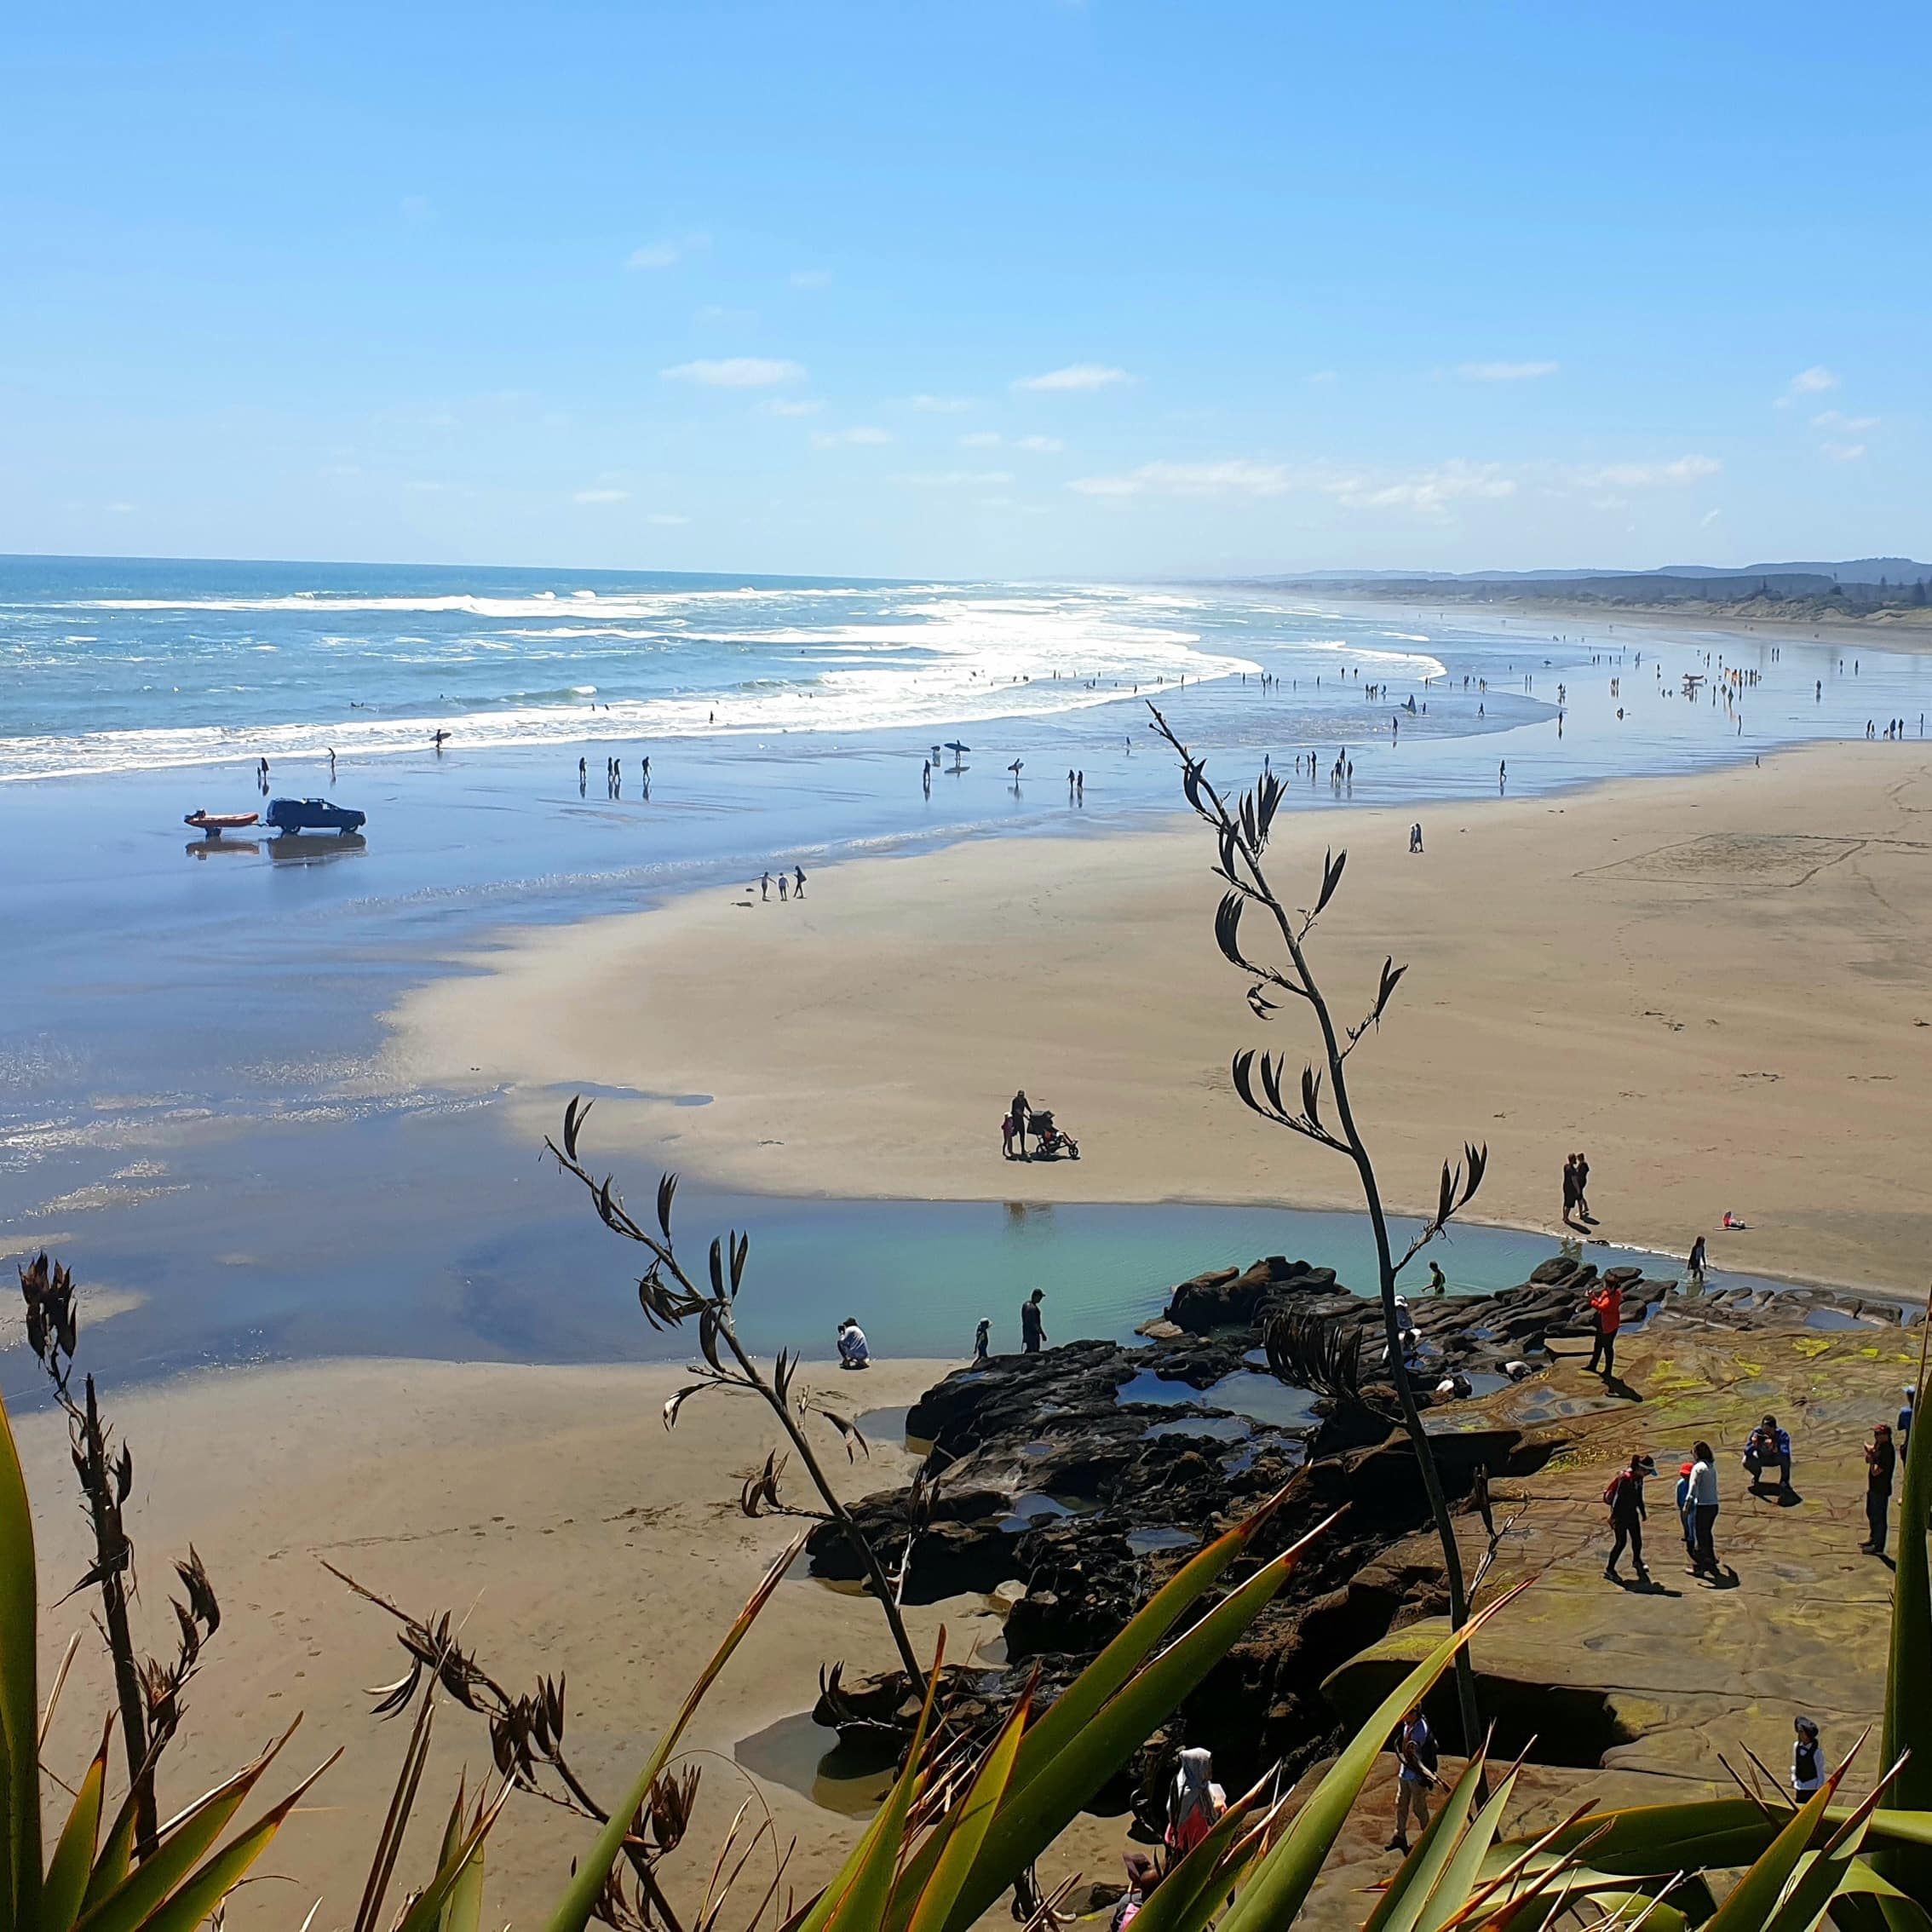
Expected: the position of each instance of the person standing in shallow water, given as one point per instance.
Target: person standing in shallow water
(1033, 1324)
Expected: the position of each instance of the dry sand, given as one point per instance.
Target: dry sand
(548, 1510)
(1720, 987)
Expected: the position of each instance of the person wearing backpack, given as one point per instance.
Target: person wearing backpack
(1624, 1495)
(1415, 1758)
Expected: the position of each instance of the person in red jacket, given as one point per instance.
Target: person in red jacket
(1608, 1302)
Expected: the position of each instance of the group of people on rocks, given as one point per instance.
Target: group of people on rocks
(1767, 1459)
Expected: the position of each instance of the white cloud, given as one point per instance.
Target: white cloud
(1431, 492)
(1709, 518)
(1836, 419)
(665, 519)
(1325, 376)
(1075, 376)
(811, 278)
(981, 440)
(602, 496)
(667, 253)
(1042, 445)
(1646, 475)
(1236, 477)
(1506, 372)
(863, 433)
(939, 406)
(800, 406)
(1811, 382)
(736, 372)
(955, 479)
(1844, 452)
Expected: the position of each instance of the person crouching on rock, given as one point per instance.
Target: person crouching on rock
(1193, 1803)
(853, 1353)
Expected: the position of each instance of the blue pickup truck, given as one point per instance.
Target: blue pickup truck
(312, 814)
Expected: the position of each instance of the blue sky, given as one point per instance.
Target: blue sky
(1013, 287)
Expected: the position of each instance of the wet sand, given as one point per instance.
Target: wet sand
(1720, 987)
(547, 1509)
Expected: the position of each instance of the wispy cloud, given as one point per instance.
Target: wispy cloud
(1075, 376)
(1236, 477)
(796, 405)
(666, 518)
(941, 405)
(667, 253)
(1506, 372)
(736, 372)
(602, 496)
(1646, 475)
(1851, 425)
(811, 278)
(1709, 518)
(1043, 445)
(864, 433)
(1811, 382)
(1325, 376)
(1431, 492)
(957, 478)
(981, 440)
(1844, 452)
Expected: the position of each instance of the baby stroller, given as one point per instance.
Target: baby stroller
(1049, 1142)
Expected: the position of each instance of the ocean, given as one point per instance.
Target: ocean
(196, 1106)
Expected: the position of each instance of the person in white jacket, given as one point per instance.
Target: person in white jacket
(1703, 1510)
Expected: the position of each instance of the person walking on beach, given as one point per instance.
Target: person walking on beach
(1033, 1325)
(332, 764)
(1584, 1214)
(982, 1342)
(1808, 1759)
(1624, 1495)
(1704, 1511)
(1018, 1112)
(783, 884)
(765, 885)
(1416, 1759)
(1693, 1265)
(1881, 1458)
(1569, 1190)
(1607, 1302)
(798, 881)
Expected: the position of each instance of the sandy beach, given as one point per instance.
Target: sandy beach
(550, 1512)
(1718, 986)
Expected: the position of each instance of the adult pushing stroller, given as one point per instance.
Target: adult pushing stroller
(1049, 1142)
